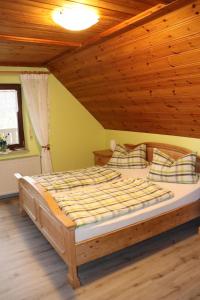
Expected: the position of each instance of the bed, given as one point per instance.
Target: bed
(78, 246)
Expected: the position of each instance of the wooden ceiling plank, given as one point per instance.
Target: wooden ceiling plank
(101, 5)
(153, 53)
(125, 24)
(33, 19)
(99, 38)
(20, 64)
(13, 38)
(36, 9)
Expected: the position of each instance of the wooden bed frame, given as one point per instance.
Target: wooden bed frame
(59, 229)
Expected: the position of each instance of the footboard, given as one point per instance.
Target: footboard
(58, 229)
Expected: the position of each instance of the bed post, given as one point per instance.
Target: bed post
(72, 275)
(21, 208)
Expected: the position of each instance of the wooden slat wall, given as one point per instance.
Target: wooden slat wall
(146, 79)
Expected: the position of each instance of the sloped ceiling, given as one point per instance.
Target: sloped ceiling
(146, 79)
(138, 69)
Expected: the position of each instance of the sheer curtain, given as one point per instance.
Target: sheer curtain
(35, 87)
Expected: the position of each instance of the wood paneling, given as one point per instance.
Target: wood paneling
(146, 79)
(31, 21)
(26, 54)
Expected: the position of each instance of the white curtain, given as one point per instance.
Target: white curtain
(35, 87)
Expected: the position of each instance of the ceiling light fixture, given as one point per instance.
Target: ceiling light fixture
(78, 17)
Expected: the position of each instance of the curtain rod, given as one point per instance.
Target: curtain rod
(23, 72)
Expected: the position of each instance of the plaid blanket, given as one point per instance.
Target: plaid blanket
(110, 200)
(56, 182)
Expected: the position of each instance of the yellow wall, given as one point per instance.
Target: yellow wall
(74, 133)
(122, 137)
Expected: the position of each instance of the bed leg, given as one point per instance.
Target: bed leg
(22, 211)
(73, 277)
(21, 208)
(71, 259)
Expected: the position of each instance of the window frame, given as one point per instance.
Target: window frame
(17, 88)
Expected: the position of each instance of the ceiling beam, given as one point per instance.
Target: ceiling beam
(124, 24)
(13, 38)
(109, 32)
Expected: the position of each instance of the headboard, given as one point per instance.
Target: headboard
(174, 151)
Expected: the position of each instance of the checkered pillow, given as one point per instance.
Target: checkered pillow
(165, 168)
(134, 159)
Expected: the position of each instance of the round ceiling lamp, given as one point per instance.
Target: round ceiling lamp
(78, 17)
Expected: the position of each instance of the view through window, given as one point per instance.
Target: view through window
(11, 124)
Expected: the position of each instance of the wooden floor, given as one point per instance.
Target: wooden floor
(166, 267)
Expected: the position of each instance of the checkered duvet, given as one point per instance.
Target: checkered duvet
(95, 204)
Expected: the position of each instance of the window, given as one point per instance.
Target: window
(11, 123)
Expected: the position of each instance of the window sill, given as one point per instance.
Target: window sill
(8, 151)
(14, 154)
(5, 153)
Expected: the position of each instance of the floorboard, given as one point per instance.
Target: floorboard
(166, 267)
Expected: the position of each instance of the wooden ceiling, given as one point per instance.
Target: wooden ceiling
(28, 35)
(146, 79)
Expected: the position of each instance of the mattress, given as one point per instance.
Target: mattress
(183, 194)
